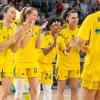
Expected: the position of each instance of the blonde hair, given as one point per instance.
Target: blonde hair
(26, 11)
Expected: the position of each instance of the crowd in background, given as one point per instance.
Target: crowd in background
(55, 8)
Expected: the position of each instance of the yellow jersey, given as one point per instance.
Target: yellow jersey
(90, 31)
(72, 60)
(6, 57)
(48, 40)
(29, 54)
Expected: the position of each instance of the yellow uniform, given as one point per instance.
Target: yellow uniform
(68, 65)
(6, 57)
(26, 59)
(45, 61)
(90, 31)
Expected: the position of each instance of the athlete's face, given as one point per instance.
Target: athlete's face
(55, 28)
(73, 19)
(11, 14)
(32, 16)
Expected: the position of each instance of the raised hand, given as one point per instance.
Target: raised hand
(22, 30)
(32, 24)
(73, 43)
(44, 25)
(76, 42)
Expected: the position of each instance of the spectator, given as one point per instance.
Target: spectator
(59, 7)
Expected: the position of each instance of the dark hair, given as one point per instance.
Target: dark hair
(68, 12)
(6, 8)
(2, 7)
(26, 11)
(52, 20)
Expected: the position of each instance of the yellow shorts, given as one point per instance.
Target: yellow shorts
(6, 71)
(65, 74)
(27, 73)
(46, 73)
(91, 85)
(47, 77)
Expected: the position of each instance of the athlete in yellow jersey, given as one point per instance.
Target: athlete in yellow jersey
(51, 44)
(69, 65)
(90, 31)
(26, 61)
(8, 41)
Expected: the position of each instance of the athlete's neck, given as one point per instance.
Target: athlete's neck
(72, 27)
(28, 22)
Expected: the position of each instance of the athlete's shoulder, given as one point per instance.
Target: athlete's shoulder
(90, 16)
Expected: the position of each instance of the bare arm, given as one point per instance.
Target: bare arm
(16, 45)
(25, 41)
(83, 47)
(39, 39)
(21, 32)
(6, 44)
(79, 42)
(47, 50)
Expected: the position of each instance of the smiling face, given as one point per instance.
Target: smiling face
(32, 16)
(10, 15)
(55, 28)
(73, 19)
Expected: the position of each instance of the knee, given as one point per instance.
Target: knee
(34, 91)
(74, 88)
(61, 90)
(4, 95)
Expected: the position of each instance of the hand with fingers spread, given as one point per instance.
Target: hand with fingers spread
(44, 25)
(22, 30)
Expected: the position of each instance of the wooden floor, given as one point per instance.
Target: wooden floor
(26, 96)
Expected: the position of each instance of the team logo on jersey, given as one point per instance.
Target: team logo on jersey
(97, 31)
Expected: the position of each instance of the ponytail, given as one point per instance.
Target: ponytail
(22, 16)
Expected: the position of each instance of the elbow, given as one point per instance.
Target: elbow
(45, 53)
